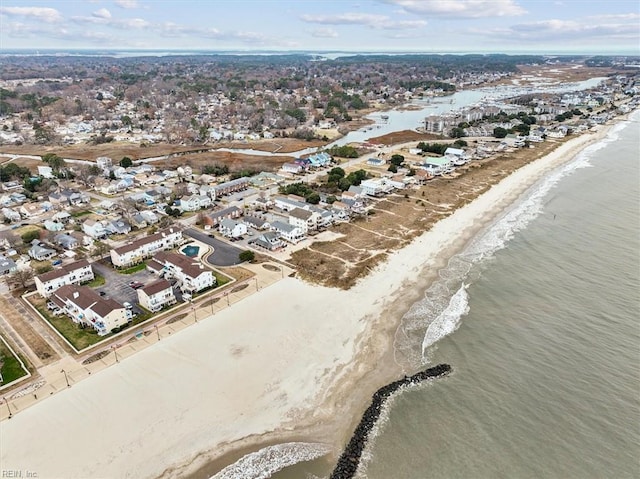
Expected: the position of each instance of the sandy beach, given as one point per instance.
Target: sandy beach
(290, 362)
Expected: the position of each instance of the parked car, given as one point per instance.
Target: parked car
(127, 305)
(136, 284)
(102, 293)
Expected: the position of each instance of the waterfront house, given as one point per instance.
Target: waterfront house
(85, 306)
(306, 220)
(156, 295)
(190, 274)
(289, 232)
(269, 240)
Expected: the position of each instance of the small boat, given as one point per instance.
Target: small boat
(384, 117)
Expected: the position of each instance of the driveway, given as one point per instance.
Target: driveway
(224, 254)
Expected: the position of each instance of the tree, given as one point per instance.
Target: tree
(126, 162)
(99, 249)
(29, 236)
(247, 255)
(392, 168)
(20, 278)
(397, 160)
(54, 161)
(313, 198)
(457, 133)
(499, 132)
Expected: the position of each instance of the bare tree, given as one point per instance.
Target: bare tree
(20, 278)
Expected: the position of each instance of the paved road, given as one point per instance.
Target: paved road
(223, 253)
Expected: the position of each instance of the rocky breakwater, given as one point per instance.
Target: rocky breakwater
(350, 459)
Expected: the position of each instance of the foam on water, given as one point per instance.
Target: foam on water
(446, 301)
(269, 460)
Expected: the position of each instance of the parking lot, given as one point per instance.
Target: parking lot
(117, 285)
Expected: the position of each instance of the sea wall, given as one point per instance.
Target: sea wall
(350, 459)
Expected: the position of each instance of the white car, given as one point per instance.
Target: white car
(127, 305)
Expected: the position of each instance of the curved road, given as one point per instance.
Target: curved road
(224, 254)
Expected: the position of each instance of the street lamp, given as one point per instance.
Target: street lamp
(157, 331)
(227, 295)
(9, 408)
(115, 350)
(65, 377)
(256, 280)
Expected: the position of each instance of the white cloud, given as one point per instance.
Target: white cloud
(589, 30)
(49, 15)
(324, 33)
(127, 3)
(461, 8)
(102, 13)
(366, 19)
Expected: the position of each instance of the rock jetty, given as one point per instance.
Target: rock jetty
(350, 459)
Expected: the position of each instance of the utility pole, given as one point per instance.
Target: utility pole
(65, 377)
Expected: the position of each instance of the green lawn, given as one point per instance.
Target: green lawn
(11, 368)
(80, 338)
(96, 282)
(133, 269)
(221, 279)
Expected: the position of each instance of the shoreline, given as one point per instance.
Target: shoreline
(366, 385)
(307, 362)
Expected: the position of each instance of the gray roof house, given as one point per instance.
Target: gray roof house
(118, 226)
(7, 265)
(270, 241)
(66, 241)
(40, 252)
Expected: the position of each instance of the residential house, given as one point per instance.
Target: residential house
(12, 215)
(73, 273)
(289, 232)
(376, 161)
(66, 241)
(156, 295)
(269, 240)
(190, 274)
(62, 217)
(138, 250)
(39, 252)
(31, 210)
(94, 228)
(104, 162)
(53, 225)
(454, 152)
(255, 222)
(119, 226)
(232, 186)
(85, 306)
(306, 220)
(231, 228)
(150, 217)
(7, 265)
(320, 160)
(375, 187)
(288, 203)
(74, 197)
(213, 219)
(46, 172)
(291, 168)
(261, 203)
(195, 202)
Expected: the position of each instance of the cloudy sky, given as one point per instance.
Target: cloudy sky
(555, 26)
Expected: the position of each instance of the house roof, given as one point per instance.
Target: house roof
(189, 266)
(86, 298)
(143, 241)
(300, 214)
(156, 287)
(286, 227)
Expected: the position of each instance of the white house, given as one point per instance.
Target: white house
(375, 187)
(85, 306)
(289, 232)
(156, 295)
(46, 172)
(136, 251)
(95, 229)
(39, 252)
(304, 219)
(291, 168)
(231, 228)
(73, 273)
(7, 265)
(195, 202)
(191, 275)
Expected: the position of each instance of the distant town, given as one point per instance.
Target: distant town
(119, 205)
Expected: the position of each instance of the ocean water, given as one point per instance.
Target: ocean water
(540, 319)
